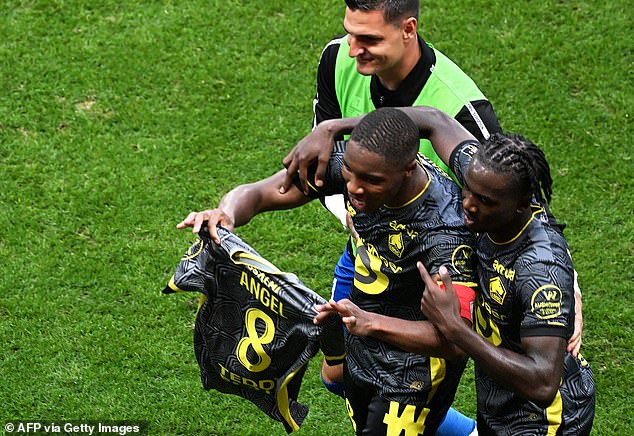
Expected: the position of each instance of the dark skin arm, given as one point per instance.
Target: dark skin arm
(316, 146)
(442, 130)
(241, 204)
(413, 336)
(534, 375)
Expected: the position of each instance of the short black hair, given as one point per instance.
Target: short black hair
(393, 10)
(525, 162)
(389, 133)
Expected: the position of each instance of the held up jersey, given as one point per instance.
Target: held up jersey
(386, 281)
(254, 334)
(526, 289)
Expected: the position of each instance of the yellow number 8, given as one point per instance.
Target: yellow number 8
(256, 341)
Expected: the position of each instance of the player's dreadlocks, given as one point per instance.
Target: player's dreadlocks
(393, 10)
(513, 154)
(389, 133)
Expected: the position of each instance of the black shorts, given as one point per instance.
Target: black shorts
(372, 415)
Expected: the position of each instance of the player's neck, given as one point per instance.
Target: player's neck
(392, 78)
(411, 189)
(513, 230)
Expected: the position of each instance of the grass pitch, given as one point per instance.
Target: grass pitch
(118, 118)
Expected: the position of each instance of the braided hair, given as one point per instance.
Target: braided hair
(525, 162)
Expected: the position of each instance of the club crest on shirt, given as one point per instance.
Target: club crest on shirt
(546, 302)
(497, 290)
(395, 242)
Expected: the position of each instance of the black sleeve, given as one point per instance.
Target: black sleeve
(326, 105)
(460, 158)
(331, 341)
(486, 125)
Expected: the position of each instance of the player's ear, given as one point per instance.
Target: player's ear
(409, 26)
(409, 169)
(523, 203)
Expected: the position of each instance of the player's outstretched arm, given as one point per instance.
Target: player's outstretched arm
(534, 375)
(242, 203)
(413, 336)
(315, 147)
(443, 131)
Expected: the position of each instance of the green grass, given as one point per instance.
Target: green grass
(118, 118)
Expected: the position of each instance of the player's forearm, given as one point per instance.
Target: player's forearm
(339, 126)
(246, 201)
(241, 204)
(531, 377)
(414, 336)
(444, 132)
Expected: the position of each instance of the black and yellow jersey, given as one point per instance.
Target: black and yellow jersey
(391, 241)
(254, 333)
(526, 289)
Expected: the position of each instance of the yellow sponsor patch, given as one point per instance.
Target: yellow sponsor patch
(461, 260)
(546, 302)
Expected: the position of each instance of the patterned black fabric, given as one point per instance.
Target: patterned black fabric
(254, 334)
(429, 229)
(526, 289)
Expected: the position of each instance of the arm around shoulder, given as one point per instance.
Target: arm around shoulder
(444, 132)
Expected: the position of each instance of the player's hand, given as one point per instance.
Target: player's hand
(574, 343)
(316, 146)
(357, 321)
(441, 307)
(323, 312)
(213, 217)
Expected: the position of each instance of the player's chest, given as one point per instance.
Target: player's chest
(394, 239)
(498, 283)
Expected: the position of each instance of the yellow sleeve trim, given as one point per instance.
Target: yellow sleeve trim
(471, 285)
(173, 286)
(341, 357)
(282, 400)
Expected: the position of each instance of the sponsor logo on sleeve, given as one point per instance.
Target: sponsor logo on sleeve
(546, 302)
(462, 260)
